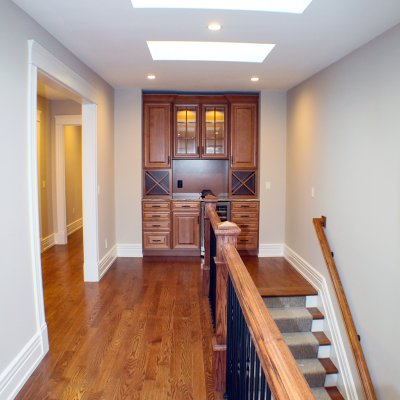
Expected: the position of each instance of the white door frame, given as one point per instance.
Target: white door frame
(61, 121)
(40, 58)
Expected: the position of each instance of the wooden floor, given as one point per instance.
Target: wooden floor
(143, 332)
(276, 277)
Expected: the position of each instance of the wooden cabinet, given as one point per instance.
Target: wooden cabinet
(244, 121)
(186, 132)
(246, 215)
(157, 135)
(156, 225)
(214, 132)
(186, 225)
(200, 132)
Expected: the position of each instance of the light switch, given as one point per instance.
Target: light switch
(312, 192)
(268, 185)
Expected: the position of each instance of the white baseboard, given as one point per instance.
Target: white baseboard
(47, 242)
(270, 250)
(319, 282)
(129, 250)
(107, 261)
(74, 226)
(21, 368)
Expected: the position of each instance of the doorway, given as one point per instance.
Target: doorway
(43, 62)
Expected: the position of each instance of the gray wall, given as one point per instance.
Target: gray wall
(343, 139)
(17, 298)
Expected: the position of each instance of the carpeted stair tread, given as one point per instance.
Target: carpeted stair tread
(292, 319)
(302, 344)
(313, 371)
(321, 394)
(285, 302)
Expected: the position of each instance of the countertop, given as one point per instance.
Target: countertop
(197, 197)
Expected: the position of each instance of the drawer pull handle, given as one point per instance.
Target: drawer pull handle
(244, 240)
(244, 226)
(156, 216)
(156, 226)
(244, 206)
(156, 241)
(153, 206)
(186, 206)
(245, 216)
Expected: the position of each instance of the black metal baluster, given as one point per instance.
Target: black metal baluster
(213, 274)
(252, 365)
(245, 379)
(262, 391)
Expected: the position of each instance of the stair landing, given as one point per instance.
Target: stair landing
(274, 276)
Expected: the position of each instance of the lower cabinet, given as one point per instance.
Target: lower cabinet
(186, 225)
(171, 225)
(246, 215)
(156, 225)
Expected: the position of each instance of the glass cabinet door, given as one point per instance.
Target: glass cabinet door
(214, 132)
(186, 131)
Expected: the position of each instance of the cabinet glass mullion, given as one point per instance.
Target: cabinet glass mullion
(214, 131)
(186, 131)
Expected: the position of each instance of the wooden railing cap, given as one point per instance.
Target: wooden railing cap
(227, 228)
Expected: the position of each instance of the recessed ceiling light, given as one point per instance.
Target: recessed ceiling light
(151, 76)
(209, 51)
(214, 26)
(289, 6)
(254, 78)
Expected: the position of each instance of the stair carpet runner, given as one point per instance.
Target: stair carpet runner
(307, 342)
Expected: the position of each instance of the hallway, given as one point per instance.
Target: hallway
(143, 332)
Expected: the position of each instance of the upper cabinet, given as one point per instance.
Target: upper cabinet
(214, 132)
(200, 132)
(244, 134)
(186, 138)
(157, 135)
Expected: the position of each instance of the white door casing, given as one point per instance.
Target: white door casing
(43, 60)
(60, 122)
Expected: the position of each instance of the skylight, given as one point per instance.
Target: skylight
(209, 51)
(286, 6)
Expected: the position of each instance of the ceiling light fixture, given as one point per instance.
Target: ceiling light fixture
(288, 6)
(209, 51)
(151, 77)
(254, 78)
(214, 26)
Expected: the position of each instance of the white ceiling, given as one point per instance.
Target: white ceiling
(110, 37)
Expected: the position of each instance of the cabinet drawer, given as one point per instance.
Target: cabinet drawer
(155, 216)
(247, 241)
(185, 205)
(156, 240)
(247, 226)
(243, 216)
(243, 206)
(156, 226)
(162, 206)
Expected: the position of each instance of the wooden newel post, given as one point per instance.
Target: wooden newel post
(210, 202)
(227, 232)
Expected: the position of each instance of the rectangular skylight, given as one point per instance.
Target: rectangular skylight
(288, 6)
(209, 51)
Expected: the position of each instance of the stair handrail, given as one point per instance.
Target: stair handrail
(362, 367)
(284, 378)
(278, 364)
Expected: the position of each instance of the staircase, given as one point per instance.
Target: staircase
(301, 324)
